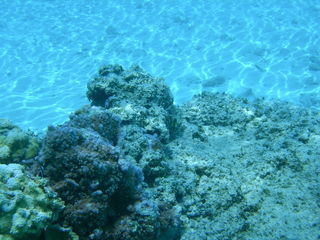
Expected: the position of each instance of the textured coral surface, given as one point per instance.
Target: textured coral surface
(15, 144)
(27, 205)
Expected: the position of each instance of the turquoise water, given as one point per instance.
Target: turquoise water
(50, 49)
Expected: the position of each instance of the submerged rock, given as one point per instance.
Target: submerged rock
(115, 86)
(102, 161)
(137, 97)
(82, 166)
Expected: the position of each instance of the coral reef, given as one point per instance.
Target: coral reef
(15, 144)
(27, 205)
(134, 166)
(102, 160)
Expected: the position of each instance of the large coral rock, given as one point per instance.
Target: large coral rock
(27, 205)
(115, 86)
(149, 118)
(103, 159)
(137, 97)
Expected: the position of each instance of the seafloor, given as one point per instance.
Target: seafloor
(132, 165)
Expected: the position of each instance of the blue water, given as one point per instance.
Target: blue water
(49, 49)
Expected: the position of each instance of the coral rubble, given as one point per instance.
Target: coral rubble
(247, 170)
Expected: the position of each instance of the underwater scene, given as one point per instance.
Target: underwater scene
(159, 120)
